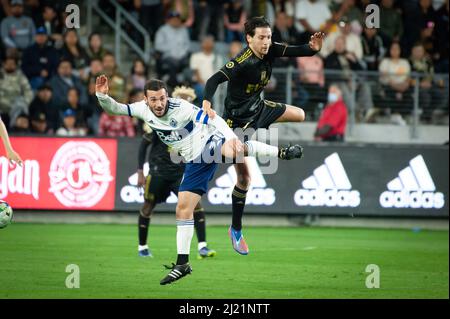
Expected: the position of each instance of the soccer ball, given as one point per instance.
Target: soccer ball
(6, 214)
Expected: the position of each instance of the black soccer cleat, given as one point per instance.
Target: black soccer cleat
(290, 152)
(177, 272)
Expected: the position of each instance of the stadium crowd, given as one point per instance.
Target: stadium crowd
(47, 77)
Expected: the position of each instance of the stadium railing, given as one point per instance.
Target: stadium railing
(366, 97)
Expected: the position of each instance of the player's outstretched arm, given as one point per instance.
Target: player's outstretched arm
(313, 47)
(106, 102)
(210, 89)
(10, 153)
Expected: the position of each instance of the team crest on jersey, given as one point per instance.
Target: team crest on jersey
(173, 123)
(263, 75)
(230, 65)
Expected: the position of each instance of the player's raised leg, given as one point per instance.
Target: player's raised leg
(185, 231)
(250, 148)
(292, 114)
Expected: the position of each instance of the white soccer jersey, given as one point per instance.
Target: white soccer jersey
(185, 127)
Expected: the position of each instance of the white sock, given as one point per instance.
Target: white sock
(142, 247)
(255, 148)
(185, 232)
(201, 245)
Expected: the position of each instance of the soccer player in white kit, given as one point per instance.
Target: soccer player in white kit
(202, 142)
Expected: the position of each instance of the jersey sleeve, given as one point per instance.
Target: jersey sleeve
(231, 69)
(217, 122)
(284, 50)
(113, 107)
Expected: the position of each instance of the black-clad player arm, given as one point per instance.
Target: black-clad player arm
(284, 50)
(145, 142)
(212, 84)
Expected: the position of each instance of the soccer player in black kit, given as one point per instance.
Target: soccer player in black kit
(165, 177)
(247, 75)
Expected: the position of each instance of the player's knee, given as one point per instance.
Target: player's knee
(184, 211)
(147, 209)
(301, 115)
(244, 180)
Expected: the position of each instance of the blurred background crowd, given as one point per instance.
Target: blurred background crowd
(47, 75)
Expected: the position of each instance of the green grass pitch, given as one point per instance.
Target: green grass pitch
(286, 263)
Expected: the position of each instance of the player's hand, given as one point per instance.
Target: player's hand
(316, 41)
(14, 157)
(101, 84)
(141, 178)
(208, 109)
(237, 146)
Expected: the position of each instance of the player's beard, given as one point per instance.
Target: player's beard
(164, 111)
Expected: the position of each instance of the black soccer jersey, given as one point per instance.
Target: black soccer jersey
(159, 159)
(247, 75)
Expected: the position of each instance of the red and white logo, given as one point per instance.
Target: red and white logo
(80, 174)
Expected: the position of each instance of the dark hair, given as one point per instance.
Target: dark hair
(154, 85)
(253, 23)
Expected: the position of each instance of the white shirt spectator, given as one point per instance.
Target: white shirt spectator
(394, 71)
(205, 64)
(172, 42)
(352, 44)
(315, 13)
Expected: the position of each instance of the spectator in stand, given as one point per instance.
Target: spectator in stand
(53, 25)
(38, 123)
(442, 43)
(39, 61)
(431, 92)
(76, 54)
(373, 48)
(204, 64)
(352, 41)
(138, 76)
(283, 32)
(313, 16)
(21, 124)
(17, 31)
(312, 81)
(347, 63)
(116, 126)
(15, 90)
(395, 73)
(94, 109)
(186, 10)
(150, 14)
(235, 48)
(234, 20)
(63, 81)
(209, 19)
(391, 24)
(43, 103)
(117, 82)
(333, 120)
(96, 49)
(80, 113)
(172, 46)
(349, 11)
(69, 127)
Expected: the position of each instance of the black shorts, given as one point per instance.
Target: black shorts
(158, 188)
(267, 114)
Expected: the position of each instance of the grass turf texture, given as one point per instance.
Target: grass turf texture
(283, 263)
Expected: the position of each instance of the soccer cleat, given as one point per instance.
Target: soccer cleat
(145, 253)
(238, 241)
(290, 152)
(177, 272)
(206, 252)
